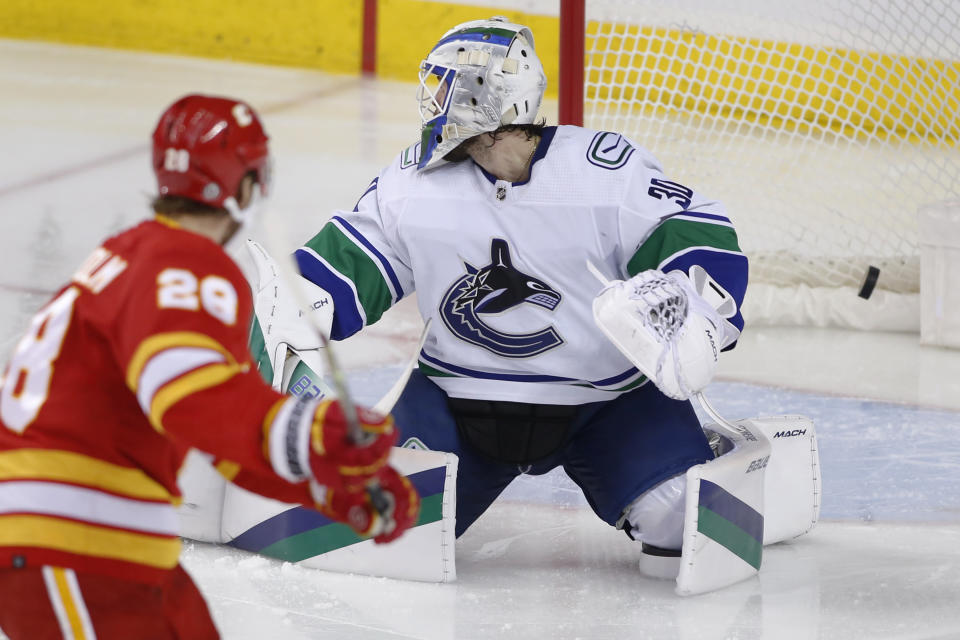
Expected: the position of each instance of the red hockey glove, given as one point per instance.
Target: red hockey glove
(335, 458)
(353, 505)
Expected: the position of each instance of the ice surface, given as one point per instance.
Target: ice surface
(883, 562)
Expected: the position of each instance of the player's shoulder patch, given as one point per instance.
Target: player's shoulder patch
(609, 150)
(410, 156)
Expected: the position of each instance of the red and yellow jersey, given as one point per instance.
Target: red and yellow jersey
(143, 355)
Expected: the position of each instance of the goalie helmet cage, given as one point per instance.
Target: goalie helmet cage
(822, 126)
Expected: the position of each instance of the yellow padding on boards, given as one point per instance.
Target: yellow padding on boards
(317, 34)
(783, 85)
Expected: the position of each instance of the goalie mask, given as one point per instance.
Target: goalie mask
(480, 76)
(203, 146)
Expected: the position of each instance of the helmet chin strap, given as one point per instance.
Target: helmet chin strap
(245, 217)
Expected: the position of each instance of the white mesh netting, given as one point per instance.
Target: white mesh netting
(822, 125)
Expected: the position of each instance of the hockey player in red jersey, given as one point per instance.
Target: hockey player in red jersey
(140, 357)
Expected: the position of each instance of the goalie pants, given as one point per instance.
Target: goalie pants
(46, 603)
(614, 451)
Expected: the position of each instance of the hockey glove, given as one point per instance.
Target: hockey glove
(352, 505)
(336, 457)
(306, 439)
(662, 325)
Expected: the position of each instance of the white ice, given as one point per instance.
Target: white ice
(882, 563)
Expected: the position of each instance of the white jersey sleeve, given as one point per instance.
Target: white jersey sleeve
(691, 233)
(358, 258)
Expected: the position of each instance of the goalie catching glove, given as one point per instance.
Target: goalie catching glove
(664, 327)
(354, 506)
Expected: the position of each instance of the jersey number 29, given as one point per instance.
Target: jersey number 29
(180, 289)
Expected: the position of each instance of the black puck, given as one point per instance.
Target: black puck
(869, 282)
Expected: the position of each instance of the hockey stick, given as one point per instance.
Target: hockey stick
(385, 404)
(739, 431)
(378, 499)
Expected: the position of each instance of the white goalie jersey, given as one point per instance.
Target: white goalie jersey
(500, 267)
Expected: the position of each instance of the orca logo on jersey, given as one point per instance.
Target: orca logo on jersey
(493, 289)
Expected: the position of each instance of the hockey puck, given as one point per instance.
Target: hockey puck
(869, 282)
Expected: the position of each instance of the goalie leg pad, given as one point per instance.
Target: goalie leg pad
(763, 489)
(791, 479)
(203, 490)
(656, 517)
(723, 523)
(791, 485)
(306, 537)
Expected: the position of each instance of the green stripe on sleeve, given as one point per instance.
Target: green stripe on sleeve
(353, 262)
(675, 235)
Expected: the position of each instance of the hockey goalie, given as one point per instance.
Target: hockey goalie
(530, 362)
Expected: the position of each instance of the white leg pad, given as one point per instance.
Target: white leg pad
(723, 522)
(767, 485)
(203, 488)
(661, 567)
(303, 536)
(792, 479)
(656, 517)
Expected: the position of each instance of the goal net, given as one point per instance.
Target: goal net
(823, 126)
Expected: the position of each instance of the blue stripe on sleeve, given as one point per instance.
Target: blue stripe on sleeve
(697, 214)
(347, 319)
(372, 187)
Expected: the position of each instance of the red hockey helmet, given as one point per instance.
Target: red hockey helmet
(204, 145)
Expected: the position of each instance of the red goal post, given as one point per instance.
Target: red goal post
(572, 27)
(823, 127)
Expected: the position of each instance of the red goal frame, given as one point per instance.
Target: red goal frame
(572, 42)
